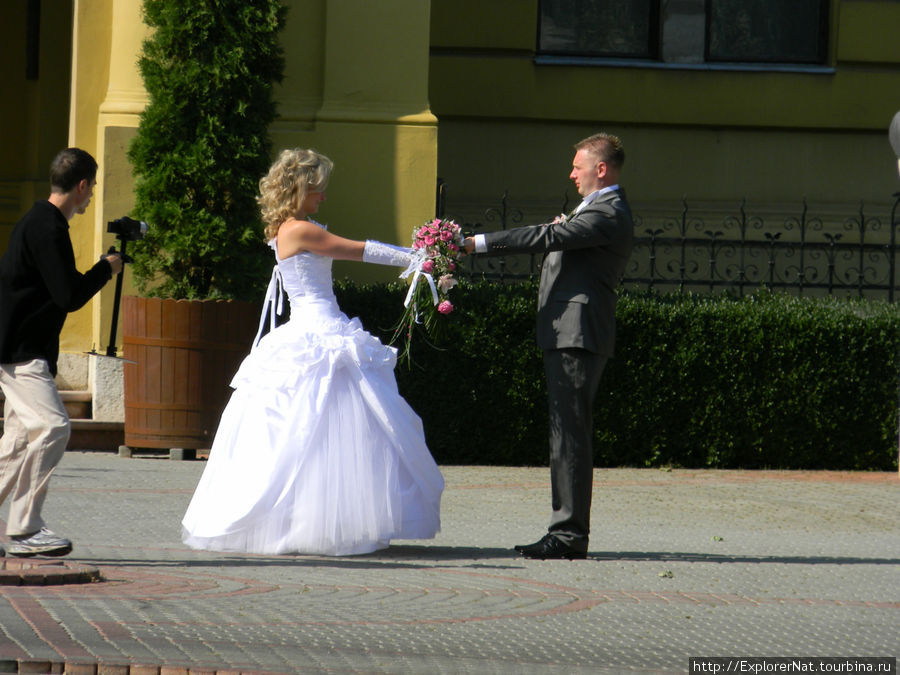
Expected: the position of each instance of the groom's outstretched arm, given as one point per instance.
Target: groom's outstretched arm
(600, 225)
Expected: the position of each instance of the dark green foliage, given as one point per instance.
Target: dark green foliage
(480, 389)
(767, 381)
(203, 144)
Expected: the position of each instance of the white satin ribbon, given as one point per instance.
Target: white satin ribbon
(274, 301)
(415, 268)
(415, 281)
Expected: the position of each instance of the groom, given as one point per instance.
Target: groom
(586, 253)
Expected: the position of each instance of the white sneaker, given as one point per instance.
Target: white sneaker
(42, 542)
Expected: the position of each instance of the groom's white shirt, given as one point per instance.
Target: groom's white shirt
(481, 245)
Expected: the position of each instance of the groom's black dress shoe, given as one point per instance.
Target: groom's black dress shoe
(551, 548)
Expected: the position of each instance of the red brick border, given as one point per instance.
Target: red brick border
(42, 667)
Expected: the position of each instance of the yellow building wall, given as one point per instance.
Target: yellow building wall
(33, 112)
(366, 82)
(715, 136)
(35, 115)
(92, 31)
(355, 88)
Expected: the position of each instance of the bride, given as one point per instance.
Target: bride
(316, 451)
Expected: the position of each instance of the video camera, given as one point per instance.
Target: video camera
(127, 229)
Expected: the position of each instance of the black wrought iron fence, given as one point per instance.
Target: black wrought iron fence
(742, 252)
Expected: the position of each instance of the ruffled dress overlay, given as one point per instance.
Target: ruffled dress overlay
(316, 451)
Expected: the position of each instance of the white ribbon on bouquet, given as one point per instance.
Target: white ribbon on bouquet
(415, 269)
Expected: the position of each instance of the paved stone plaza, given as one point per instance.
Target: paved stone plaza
(682, 563)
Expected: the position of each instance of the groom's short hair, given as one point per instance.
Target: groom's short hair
(606, 147)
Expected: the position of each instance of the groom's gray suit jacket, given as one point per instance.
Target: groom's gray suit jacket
(585, 257)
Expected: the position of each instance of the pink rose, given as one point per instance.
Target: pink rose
(428, 266)
(429, 241)
(446, 236)
(451, 265)
(445, 307)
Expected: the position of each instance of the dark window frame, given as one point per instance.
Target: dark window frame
(653, 39)
(32, 39)
(822, 36)
(818, 63)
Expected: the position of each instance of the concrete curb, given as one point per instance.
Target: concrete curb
(43, 572)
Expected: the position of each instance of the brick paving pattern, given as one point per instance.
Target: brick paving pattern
(682, 563)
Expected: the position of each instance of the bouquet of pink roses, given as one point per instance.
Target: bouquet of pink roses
(439, 243)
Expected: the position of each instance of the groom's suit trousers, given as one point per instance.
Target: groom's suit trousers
(572, 379)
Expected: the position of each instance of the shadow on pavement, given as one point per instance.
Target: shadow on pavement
(417, 557)
(672, 556)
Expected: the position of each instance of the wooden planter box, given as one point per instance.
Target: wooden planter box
(185, 354)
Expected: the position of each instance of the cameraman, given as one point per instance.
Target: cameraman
(39, 285)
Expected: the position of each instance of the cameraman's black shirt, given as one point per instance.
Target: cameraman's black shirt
(39, 285)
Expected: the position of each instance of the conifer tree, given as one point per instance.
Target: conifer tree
(209, 68)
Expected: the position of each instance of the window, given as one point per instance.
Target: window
(766, 31)
(614, 28)
(32, 39)
(686, 31)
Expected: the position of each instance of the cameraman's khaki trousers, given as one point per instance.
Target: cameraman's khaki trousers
(35, 434)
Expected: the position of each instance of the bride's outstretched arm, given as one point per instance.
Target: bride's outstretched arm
(299, 236)
(379, 253)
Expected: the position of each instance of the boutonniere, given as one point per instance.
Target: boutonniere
(564, 217)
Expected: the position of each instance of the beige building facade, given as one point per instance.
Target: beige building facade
(355, 88)
(402, 93)
(713, 131)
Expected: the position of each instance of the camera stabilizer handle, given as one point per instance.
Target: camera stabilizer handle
(125, 229)
(111, 347)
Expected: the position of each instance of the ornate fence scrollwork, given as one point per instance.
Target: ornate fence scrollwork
(740, 253)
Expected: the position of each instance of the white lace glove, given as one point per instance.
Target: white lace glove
(380, 253)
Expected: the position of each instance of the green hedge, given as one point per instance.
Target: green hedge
(767, 381)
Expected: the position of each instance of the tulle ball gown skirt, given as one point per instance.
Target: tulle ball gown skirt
(316, 452)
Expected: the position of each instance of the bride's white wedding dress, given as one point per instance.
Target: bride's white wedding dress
(316, 452)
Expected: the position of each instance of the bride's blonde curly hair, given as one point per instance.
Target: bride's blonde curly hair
(295, 174)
